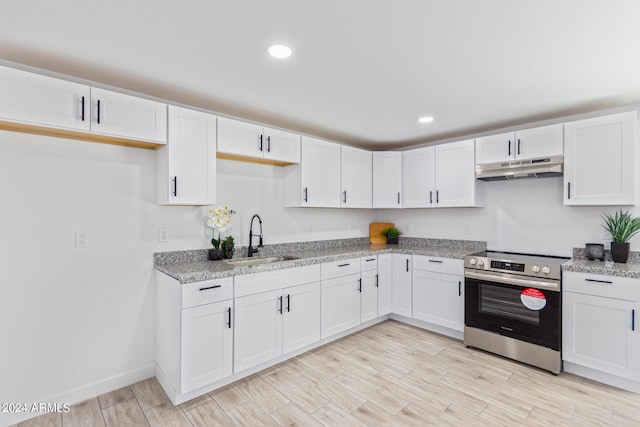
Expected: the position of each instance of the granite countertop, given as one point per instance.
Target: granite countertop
(192, 266)
(608, 268)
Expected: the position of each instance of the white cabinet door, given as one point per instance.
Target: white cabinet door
(539, 142)
(438, 298)
(41, 100)
(455, 174)
(207, 345)
(340, 304)
(419, 178)
(258, 329)
(186, 166)
(241, 138)
(128, 116)
(385, 284)
(495, 148)
(402, 292)
(387, 179)
(301, 323)
(368, 295)
(281, 146)
(320, 173)
(600, 333)
(356, 174)
(599, 160)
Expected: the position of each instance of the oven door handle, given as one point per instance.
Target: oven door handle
(515, 281)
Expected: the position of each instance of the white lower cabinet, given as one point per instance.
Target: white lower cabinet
(600, 330)
(368, 295)
(340, 304)
(385, 277)
(401, 279)
(277, 320)
(438, 291)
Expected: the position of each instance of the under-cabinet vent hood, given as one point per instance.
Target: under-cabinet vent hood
(533, 168)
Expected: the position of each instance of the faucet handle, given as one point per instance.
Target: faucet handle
(260, 243)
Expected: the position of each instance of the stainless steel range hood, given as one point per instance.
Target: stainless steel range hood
(533, 168)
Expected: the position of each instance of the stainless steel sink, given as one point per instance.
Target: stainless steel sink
(256, 261)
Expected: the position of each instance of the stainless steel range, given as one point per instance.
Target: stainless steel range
(513, 306)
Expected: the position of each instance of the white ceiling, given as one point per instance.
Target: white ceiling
(362, 71)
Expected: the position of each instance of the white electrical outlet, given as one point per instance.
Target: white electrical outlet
(467, 229)
(410, 226)
(310, 229)
(82, 239)
(163, 235)
(605, 236)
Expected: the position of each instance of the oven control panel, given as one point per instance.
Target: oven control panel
(538, 267)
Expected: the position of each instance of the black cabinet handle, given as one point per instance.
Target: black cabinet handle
(459, 288)
(437, 196)
(268, 144)
(211, 287)
(343, 265)
(344, 198)
(407, 264)
(599, 281)
(633, 320)
(509, 149)
(260, 143)
(569, 190)
(436, 261)
(518, 146)
(398, 197)
(98, 118)
(280, 304)
(175, 186)
(376, 280)
(360, 284)
(430, 197)
(229, 317)
(306, 194)
(370, 259)
(83, 108)
(288, 303)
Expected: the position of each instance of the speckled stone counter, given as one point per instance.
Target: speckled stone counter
(193, 266)
(580, 264)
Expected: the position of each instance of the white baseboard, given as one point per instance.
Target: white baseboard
(79, 394)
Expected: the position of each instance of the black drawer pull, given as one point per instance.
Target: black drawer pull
(343, 265)
(436, 261)
(370, 259)
(210, 287)
(599, 281)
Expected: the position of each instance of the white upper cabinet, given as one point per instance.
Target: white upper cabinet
(356, 174)
(525, 144)
(41, 101)
(419, 177)
(186, 166)
(127, 116)
(441, 176)
(44, 101)
(456, 183)
(249, 140)
(315, 182)
(387, 179)
(599, 160)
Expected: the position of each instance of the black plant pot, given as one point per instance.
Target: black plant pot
(620, 252)
(392, 240)
(215, 254)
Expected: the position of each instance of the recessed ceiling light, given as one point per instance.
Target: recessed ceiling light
(426, 119)
(279, 51)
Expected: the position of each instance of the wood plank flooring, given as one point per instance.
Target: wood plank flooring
(391, 374)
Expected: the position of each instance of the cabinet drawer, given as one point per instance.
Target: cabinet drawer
(623, 288)
(369, 263)
(249, 284)
(207, 291)
(438, 265)
(344, 267)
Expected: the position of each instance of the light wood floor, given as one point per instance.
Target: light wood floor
(390, 374)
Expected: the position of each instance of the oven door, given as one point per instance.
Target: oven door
(527, 311)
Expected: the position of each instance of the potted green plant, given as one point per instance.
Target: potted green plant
(228, 247)
(622, 226)
(392, 234)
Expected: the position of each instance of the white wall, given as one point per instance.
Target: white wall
(77, 322)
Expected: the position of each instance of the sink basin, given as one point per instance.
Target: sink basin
(256, 261)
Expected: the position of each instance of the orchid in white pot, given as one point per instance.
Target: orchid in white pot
(219, 218)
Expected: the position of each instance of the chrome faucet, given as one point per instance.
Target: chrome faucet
(251, 249)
